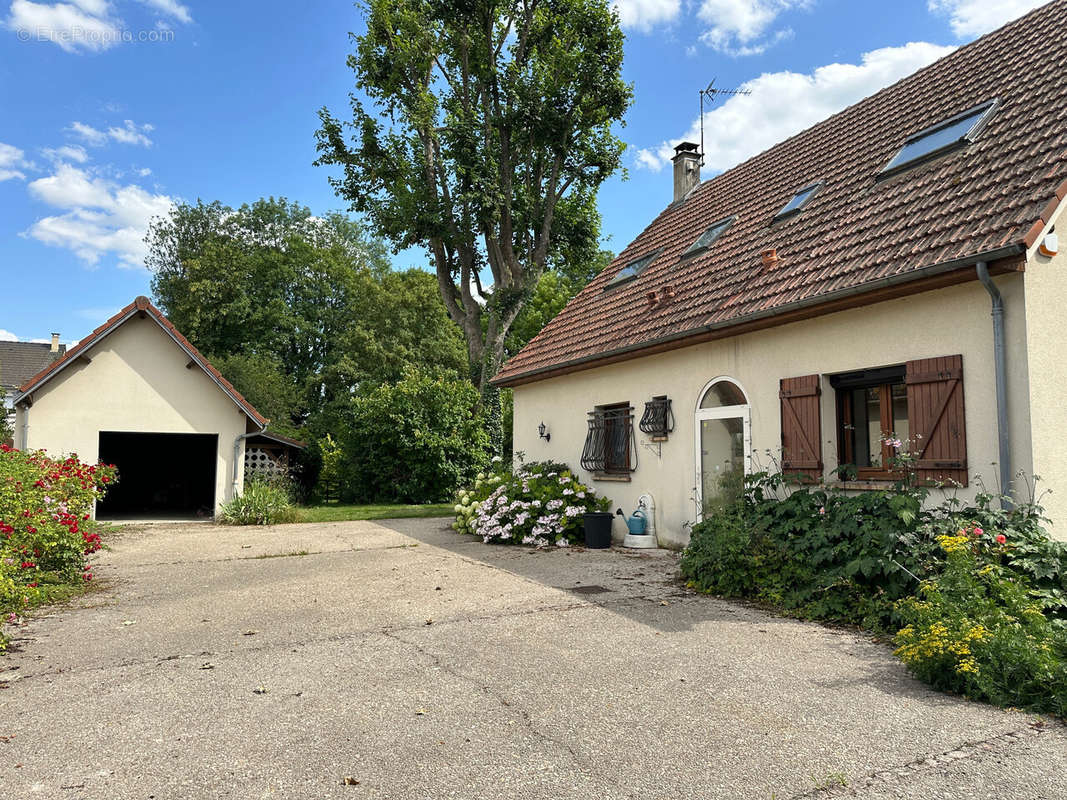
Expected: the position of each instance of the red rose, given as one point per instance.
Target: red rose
(1001, 538)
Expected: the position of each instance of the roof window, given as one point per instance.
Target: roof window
(708, 237)
(954, 132)
(633, 269)
(799, 200)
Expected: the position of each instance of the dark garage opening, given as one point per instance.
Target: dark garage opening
(161, 475)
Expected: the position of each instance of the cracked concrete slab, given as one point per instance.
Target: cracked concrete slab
(398, 660)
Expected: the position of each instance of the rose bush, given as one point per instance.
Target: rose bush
(539, 504)
(46, 530)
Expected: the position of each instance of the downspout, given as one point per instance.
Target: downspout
(25, 427)
(1000, 367)
(237, 456)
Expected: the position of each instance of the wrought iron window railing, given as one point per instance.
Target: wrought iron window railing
(658, 419)
(610, 445)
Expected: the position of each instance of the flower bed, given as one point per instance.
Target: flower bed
(540, 504)
(46, 532)
(976, 595)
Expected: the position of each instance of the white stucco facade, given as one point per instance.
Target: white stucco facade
(944, 322)
(137, 379)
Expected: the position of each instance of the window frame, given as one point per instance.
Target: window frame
(723, 224)
(884, 379)
(812, 188)
(618, 279)
(608, 417)
(984, 112)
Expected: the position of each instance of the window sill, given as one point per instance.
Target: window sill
(605, 476)
(864, 485)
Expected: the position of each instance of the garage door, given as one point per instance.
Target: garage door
(161, 475)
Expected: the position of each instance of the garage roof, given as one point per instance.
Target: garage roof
(141, 307)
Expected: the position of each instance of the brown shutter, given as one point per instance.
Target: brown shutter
(801, 427)
(936, 420)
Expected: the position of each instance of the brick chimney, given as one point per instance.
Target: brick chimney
(686, 169)
(55, 343)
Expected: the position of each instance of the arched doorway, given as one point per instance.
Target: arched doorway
(723, 440)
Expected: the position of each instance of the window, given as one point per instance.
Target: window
(708, 237)
(872, 409)
(609, 444)
(799, 200)
(658, 419)
(940, 138)
(633, 269)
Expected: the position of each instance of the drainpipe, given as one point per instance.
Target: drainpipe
(237, 456)
(25, 428)
(1000, 362)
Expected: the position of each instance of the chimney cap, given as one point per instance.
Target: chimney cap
(686, 147)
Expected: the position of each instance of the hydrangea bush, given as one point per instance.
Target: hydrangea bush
(46, 533)
(539, 504)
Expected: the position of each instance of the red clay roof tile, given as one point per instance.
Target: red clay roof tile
(859, 227)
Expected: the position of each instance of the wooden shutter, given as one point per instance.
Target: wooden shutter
(936, 418)
(801, 427)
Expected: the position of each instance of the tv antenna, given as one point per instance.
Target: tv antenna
(710, 93)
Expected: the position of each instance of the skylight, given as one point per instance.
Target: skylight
(954, 132)
(708, 237)
(799, 199)
(633, 269)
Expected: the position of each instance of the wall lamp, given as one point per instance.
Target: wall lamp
(542, 431)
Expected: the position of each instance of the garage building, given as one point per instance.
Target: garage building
(136, 393)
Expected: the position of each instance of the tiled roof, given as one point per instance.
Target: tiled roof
(20, 361)
(142, 305)
(859, 232)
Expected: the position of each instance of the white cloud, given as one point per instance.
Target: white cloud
(644, 15)
(11, 158)
(144, 172)
(785, 103)
(88, 133)
(68, 152)
(129, 133)
(7, 336)
(971, 18)
(171, 8)
(737, 27)
(101, 216)
(76, 25)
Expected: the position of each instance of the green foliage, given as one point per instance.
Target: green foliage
(262, 503)
(46, 533)
(413, 441)
(492, 130)
(297, 311)
(979, 589)
(977, 630)
(540, 504)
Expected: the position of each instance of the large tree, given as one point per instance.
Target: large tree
(298, 310)
(488, 133)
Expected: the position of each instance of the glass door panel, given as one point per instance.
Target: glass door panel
(722, 458)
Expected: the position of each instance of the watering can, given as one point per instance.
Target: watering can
(636, 523)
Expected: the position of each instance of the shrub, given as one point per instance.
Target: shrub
(539, 504)
(45, 527)
(977, 629)
(262, 503)
(414, 441)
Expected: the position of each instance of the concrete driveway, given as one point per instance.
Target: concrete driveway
(373, 660)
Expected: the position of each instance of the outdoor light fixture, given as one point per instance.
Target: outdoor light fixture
(542, 431)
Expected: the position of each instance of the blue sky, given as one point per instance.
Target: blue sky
(115, 109)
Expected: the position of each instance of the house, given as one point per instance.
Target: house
(891, 273)
(137, 394)
(20, 361)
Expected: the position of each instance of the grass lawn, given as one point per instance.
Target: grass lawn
(333, 513)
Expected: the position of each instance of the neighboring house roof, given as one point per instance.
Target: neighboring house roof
(861, 231)
(139, 307)
(20, 361)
